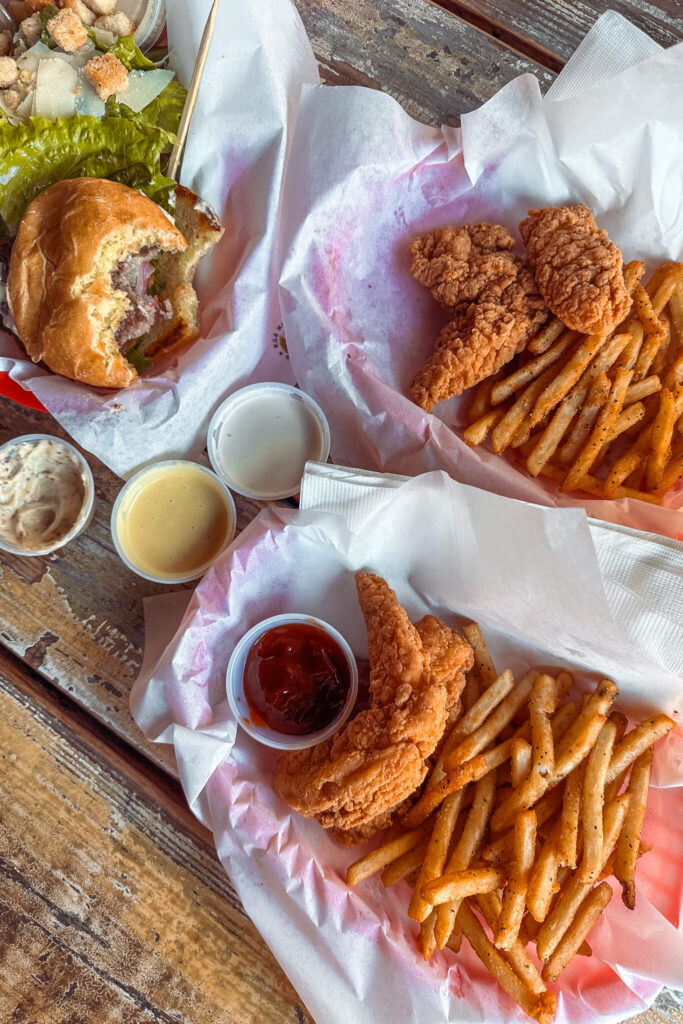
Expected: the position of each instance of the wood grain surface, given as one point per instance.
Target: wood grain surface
(548, 31)
(76, 616)
(437, 66)
(113, 906)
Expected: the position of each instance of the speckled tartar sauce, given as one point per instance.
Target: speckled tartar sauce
(42, 493)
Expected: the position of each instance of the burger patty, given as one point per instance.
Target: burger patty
(132, 276)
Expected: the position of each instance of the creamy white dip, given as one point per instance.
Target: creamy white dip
(42, 493)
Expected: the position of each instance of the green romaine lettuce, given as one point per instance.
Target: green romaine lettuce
(36, 155)
(130, 55)
(136, 356)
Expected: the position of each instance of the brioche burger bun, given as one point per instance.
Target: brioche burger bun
(100, 278)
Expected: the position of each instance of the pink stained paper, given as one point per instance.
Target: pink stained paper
(351, 953)
(364, 178)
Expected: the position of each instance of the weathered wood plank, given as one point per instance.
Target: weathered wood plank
(76, 616)
(113, 907)
(435, 65)
(548, 31)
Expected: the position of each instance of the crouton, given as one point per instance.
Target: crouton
(102, 6)
(32, 29)
(107, 75)
(11, 98)
(118, 24)
(68, 31)
(79, 8)
(5, 44)
(9, 72)
(37, 5)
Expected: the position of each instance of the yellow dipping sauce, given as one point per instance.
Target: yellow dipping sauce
(173, 521)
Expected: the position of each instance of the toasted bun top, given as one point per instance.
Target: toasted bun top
(60, 291)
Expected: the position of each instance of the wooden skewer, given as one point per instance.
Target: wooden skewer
(175, 159)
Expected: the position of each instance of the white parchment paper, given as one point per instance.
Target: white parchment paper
(242, 126)
(364, 178)
(531, 577)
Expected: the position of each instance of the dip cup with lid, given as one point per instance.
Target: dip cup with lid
(261, 438)
(250, 719)
(83, 516)
(172, 520)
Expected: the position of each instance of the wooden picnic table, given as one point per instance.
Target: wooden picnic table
(113, 905)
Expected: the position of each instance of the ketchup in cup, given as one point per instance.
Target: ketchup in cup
(296, 679)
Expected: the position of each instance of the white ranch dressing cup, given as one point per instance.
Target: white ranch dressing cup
(261, 438)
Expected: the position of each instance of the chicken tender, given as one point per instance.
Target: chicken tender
(497, 306)
(578, 270)
(354, 781)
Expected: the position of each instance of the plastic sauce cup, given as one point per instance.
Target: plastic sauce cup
(238, 701)
(87, 511)
(163, 514)
(261, 438)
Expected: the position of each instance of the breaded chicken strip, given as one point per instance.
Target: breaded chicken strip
(496, 304)
(578, 270)
(356, 779)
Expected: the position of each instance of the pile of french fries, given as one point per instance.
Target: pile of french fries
(530, 805)
(600, 413)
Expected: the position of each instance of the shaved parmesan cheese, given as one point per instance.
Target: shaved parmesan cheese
(143, 88)
(56, 89)
(78, 59)
(87, 100)
(25, 108)
(29, 60)
(103, 37)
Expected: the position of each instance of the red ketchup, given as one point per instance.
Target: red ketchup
(296, 679)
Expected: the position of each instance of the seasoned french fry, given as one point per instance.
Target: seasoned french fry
(504, 432)
(571, 808)
(564, 681)
(592, 802)
(622, 468)
(636, 742)
(483, 661)
(465, 849)
(533, 369)
(544, 875)
(490, 905)
(520, 760)
(500, 851)
(674, 374)
(403, 865)
(662, 432)
(676, 310)
(672, 474)
(550, 439)
(644, 388)
(588, 913)
(629, 840)
(460, 884)
(497, 720)
(437, 851)
(383, 855)
(427, 941)
(545, 338)
(620, 725)
(514, 896)
(541, 1007)
(479, 430)
(601, 432)
(594, 399)
(592, 485)
(555, 390)
(574, 890)
(481, 403)
(655, 332)
(665, 281)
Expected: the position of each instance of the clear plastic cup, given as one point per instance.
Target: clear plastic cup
(87, 510)
(149, 17)
(238, 701)
(134, 484)
(269, 443)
